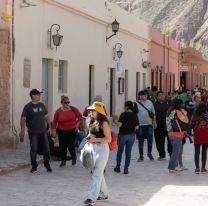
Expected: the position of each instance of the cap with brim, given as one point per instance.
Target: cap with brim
(35, 92)
(98, 107)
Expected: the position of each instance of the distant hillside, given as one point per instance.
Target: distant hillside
(183, 20)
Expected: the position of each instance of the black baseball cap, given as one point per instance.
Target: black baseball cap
(35, 92)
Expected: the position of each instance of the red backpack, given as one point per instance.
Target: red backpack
(113, 145)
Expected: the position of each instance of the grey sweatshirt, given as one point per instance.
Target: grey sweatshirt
(143, 115)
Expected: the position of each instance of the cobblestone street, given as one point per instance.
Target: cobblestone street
(148, 184)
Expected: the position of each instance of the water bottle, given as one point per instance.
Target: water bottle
(21, 139)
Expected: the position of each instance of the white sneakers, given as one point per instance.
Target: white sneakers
(174, 172)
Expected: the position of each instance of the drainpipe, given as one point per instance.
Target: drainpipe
(13, 129)
(168, 56)
(166, 81)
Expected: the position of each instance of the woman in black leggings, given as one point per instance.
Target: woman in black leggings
(200, 123)
(204, 156)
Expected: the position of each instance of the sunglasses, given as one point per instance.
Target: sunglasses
(66, 102)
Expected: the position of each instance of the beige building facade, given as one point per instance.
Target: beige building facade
(84, 64)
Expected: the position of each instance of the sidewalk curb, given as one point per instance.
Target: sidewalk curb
(7, 170)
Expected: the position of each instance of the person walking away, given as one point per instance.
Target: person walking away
(153, 94)
(35, 116)
(127, 123)
(175, 111)
(99, 136)
(200, 125)
(146, 116)
(66, 120)
(161, 107)
(190, 106)
(182, 96)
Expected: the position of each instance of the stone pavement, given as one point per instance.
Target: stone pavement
(13, 159)
(147, 184)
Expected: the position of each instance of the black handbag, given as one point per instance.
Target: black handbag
(151, 114)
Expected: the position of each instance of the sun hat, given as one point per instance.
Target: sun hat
(98, 107)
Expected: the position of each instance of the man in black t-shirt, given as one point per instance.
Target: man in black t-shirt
(35, 117)
(161, 107)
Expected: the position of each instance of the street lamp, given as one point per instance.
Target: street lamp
(115, 28)
(117, 51)
(57, 38)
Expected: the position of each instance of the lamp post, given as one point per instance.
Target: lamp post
(57, 38)
(115, 28)
(117, 51)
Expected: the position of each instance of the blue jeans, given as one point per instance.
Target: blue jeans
(128, 141)
(143, 132)
(176, 147)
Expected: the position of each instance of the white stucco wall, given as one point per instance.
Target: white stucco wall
(84, 25)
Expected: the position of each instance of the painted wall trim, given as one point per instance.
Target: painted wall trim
(94, 19)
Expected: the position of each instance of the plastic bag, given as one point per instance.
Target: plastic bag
(87, 156)
(82, 143)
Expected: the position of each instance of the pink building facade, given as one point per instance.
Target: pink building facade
(164, 59)
(193, 69)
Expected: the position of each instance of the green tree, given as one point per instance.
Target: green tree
(166, 28)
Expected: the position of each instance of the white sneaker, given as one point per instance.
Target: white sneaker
(174, 172)
(184, 168)
(178, 169)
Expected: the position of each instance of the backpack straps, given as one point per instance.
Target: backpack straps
(72, 109)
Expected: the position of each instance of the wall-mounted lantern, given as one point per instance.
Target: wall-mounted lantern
(182, 55)
(27, 3)
(117, 51)
(158, 68)
(145, 64)
(57, 38)
(194, 66)
(115, 28)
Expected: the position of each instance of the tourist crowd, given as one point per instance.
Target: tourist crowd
(172, 120)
